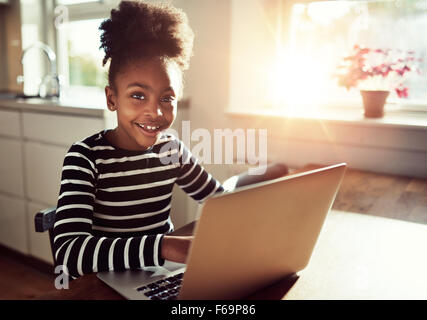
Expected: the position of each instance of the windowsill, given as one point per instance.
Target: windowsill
(393, 118)
(394, 144)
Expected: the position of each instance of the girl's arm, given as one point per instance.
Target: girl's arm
(194, 179)
(176, 248)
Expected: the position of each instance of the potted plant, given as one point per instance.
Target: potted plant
(376, 72)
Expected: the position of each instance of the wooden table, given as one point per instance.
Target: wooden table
(356, 257)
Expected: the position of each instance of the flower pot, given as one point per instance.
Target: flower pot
(373, 102)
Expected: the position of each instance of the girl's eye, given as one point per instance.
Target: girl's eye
(138, 96)
(168, 99)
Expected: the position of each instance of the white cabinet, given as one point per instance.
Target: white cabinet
(33, 146)
(46, 140)
(9, 123)
(13, 224)
(13, 227)
(38, 244)
(43, 165)
(59, 129)
(12, 178)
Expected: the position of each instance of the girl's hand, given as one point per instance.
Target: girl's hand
(176, 248)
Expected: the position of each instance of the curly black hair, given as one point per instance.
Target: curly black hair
(138, 29)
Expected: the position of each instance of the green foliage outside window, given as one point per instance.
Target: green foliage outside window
(84, 70)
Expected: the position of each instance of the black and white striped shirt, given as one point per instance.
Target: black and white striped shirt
(114, 204)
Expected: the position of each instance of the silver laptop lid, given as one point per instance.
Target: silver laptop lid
(258, 234)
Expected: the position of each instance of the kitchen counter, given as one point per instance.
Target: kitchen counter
(78, 107)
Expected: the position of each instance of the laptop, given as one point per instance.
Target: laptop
(244, 241)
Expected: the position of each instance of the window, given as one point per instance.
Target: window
(31, 32)
(78, 41)
(293, 49)
(82, 58)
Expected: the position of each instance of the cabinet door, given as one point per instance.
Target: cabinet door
(12, 178)
(38, 244)
(13, 225)
(59, 129)
(43, 165)
(9, 123)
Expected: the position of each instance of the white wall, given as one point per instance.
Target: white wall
(207, 80)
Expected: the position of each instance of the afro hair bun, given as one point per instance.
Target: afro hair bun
(137, 29)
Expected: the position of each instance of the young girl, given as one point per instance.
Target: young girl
(115, 196)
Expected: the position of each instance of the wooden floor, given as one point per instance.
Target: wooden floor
(19, 281)
(383, 195)
(361, 192)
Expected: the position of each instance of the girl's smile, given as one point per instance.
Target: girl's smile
(150, 129)
(145, 96)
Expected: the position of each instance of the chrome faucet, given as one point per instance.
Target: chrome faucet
(51, 84)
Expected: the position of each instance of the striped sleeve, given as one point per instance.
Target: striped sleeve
(193, 178)
(74, 244)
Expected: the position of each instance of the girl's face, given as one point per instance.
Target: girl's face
(145, 98)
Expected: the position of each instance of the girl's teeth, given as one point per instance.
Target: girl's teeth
(149, 127)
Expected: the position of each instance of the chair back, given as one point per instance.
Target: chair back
(44, 221)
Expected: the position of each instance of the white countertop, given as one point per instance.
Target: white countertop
(83, 107)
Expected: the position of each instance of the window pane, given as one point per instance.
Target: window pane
(323, 32)
(36, 65)
(83, 55)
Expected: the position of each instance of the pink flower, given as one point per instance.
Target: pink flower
(361, 65)
(402, 93)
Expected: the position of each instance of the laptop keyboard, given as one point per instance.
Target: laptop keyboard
(163, 289)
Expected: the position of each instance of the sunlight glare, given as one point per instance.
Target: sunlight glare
(324, 13)
(299, 83)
